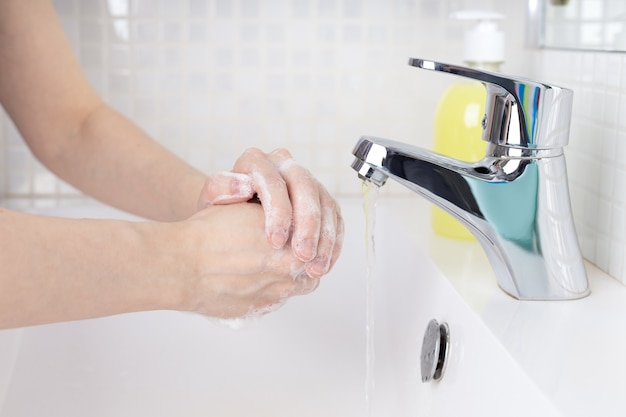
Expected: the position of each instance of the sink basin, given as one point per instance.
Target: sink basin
(307, 359)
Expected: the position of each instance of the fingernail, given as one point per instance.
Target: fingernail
(305, 249)
(317, 268)
(279, 238)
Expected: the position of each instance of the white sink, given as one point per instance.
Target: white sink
(307, 359)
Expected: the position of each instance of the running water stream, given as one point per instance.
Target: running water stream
(370, 194)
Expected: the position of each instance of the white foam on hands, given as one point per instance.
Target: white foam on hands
(253, 316)
(241, 187)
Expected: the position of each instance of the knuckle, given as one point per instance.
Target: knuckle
(281, 152)
(248, 158)
(253, 152)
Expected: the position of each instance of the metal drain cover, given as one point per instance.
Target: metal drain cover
(434, 351)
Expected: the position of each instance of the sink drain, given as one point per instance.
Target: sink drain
(435, 349)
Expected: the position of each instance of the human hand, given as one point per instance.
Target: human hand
(234, 270)
(295, 204)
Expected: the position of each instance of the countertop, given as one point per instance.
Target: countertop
(575, 351)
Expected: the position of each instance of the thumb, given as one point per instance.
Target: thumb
(226, 188)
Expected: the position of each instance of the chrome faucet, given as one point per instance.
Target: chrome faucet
(515, 200)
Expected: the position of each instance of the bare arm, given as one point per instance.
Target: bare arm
(217, 263)
(221, 261)
(57, 269)
(73, 132)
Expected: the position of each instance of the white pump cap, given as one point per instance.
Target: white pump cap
(484, 43)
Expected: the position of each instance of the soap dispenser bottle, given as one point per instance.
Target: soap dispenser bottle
(458, 118)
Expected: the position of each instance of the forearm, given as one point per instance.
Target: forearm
(217, 263)
(55, 269)
(113, 160)
(73, 132)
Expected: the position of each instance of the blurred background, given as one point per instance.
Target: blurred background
(209, 78)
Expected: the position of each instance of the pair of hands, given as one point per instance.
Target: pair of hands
(268, 252)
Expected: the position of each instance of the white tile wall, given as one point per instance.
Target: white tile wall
(209, 78)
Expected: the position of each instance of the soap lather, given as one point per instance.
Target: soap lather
(515, 200)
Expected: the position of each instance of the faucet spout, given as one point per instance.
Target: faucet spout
(517, 207)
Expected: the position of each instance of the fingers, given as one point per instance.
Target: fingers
(226, 188)
(295, 204)
(339, 238)
(271, 189)
(318, 226)
(304, 194)
(304, 285)
(331, 240)
(299, 284)
(281, 293)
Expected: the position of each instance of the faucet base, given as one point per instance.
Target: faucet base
(518, 209)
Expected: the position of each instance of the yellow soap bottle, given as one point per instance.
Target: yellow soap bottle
(458, 119)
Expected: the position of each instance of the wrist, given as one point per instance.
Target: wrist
(166, 270)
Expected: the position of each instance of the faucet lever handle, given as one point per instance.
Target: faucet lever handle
(543, 111)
